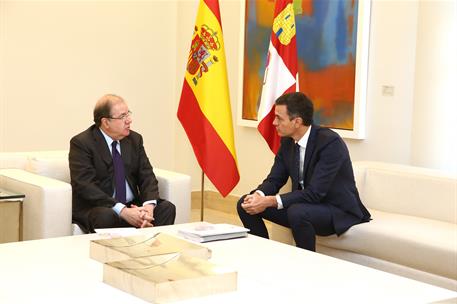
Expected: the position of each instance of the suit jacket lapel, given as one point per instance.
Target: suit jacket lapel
(126, 153)
(309, 150)
(102, 147)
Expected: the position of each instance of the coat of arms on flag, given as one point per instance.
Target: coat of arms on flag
(200, 59)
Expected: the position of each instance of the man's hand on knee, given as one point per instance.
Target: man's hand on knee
(136, 217)
(255, 203)
(147, 215)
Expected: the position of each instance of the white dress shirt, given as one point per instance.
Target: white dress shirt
(128, 192)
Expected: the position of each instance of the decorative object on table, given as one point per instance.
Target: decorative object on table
(161, 267)
(169, 277)
(205, 232)
(123, 248)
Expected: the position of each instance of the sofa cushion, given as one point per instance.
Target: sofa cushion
(52, 164)
(420, 243)
(410, 191)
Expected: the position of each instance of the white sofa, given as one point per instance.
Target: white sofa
(414, 228)
(44, 178)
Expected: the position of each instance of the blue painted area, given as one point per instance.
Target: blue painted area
(259, 36)
(323, 38)
(341, 33)
(354, 31)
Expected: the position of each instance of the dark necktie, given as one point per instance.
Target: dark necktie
(297, 164)
(119, 174)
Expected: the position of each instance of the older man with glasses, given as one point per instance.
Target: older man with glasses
(112, 180)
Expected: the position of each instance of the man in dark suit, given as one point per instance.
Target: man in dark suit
(112, 180)
(324, 199)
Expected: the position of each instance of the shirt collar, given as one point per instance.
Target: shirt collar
(108, 139)
(302, 142)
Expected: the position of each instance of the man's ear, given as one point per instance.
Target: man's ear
(298, 121)
(104, 122)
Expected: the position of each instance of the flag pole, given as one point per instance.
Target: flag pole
(202, 199)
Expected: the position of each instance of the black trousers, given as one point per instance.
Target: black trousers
(305, 220)
(105, 217)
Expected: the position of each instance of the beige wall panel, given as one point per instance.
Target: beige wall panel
(59, 57)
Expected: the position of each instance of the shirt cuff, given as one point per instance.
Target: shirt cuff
(279, 201)
(154, 202)
(260, 192)
(118, 208)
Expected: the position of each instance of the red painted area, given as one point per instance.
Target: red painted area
(307, 7)
(334, 83)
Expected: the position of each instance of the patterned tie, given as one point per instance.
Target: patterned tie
(119, 174)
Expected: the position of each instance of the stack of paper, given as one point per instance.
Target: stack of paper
(205, 232)
(118, 249)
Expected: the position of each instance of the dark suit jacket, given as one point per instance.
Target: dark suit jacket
(328, 178)
(92, 172)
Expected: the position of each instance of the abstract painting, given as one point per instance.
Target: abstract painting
(332, 46)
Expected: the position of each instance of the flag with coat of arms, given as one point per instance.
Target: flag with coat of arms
(204, 107)
(281, 70)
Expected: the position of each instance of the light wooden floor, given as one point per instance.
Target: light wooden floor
(215, 216)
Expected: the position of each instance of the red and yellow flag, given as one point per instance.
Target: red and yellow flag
(204, 108)
(281, 70)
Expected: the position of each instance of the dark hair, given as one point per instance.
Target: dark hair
(298, 105)
(103, 107)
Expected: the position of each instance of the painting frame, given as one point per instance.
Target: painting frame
(361, 73)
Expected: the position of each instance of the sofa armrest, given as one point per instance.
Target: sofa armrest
(47, 203)
(176, 188)
(16, 160)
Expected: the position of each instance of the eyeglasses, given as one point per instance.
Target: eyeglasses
(123, 116)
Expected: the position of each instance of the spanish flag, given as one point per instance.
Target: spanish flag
(204, 108)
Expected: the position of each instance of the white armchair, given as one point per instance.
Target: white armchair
(44, 178)
(47, 204)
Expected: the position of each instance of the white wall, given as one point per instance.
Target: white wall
(57, 58)
(391, 63)
(434, 137)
